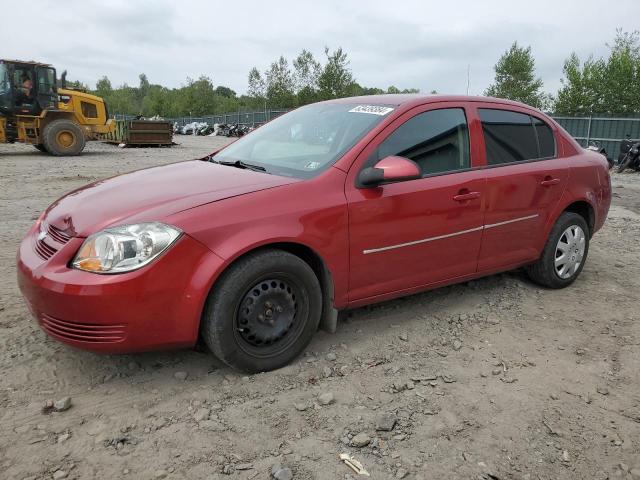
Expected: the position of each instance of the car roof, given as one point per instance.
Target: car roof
(409, 100)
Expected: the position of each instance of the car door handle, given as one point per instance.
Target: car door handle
(463, 196)
(548, 181)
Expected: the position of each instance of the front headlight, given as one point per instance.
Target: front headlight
(125, 248)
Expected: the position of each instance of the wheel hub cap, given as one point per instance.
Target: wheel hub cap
(267, 312)
(66, 139)
(570, 251)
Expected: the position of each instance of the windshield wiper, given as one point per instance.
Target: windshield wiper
(241, 164)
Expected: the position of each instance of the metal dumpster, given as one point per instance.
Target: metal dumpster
(142, 133)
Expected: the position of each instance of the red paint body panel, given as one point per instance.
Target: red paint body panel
(377, 243)
(152, 193)
(154, 307)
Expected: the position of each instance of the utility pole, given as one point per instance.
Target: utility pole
(468, 76)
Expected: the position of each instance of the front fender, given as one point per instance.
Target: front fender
(312, 214)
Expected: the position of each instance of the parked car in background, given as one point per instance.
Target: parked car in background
(332, 206)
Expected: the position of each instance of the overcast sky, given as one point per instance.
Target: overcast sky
(422, 44)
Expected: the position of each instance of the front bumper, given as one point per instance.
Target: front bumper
(156, 307)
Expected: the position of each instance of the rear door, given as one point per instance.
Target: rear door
(525, 181)
(412, 233)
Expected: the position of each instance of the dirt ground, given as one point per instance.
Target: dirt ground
(491, 379)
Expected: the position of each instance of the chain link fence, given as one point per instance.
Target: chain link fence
(607, 131)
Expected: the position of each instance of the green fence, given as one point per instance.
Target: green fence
(606, 131)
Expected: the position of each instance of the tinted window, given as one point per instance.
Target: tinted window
(514, 137)
(438, 141)
(89, 110)
(508, 136)
(545, 138)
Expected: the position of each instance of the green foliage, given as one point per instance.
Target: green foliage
(280, 85)
(257, 87)
(515, 78)
(336, 79)
(307, 71)
(309, 81)
(196, 98)
(610, 85)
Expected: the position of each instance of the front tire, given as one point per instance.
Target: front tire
(63, 138)
(263, 311)
(564, 254)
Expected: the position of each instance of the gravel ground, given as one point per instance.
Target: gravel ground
(491, 379)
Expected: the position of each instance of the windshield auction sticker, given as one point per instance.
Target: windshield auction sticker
(372, 109)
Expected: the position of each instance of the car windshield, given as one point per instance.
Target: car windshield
(305, 141)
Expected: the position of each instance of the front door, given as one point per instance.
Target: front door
(419, 232)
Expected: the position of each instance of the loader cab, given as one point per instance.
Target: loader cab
(26, 88)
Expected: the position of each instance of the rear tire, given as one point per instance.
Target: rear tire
(40, 147)
(263, 311)
(63, 138)
(564, 254)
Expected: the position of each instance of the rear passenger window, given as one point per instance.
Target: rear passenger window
(437, 140)
(515, 137)
(545, 138)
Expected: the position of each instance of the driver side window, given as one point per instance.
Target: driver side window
(437, 140)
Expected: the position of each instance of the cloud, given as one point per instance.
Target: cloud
(410, 43)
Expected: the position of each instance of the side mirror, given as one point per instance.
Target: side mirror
(389, 169)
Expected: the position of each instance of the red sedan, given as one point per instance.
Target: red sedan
(332, 206)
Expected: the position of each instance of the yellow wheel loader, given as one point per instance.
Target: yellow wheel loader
(33, 110)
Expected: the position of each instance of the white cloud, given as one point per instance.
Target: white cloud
(408, 43)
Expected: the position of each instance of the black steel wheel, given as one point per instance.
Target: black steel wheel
(267, 319)
(263, 311)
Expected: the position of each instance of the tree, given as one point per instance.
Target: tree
(198, 97)
(610, 85)
(306, 71)
(103, 87)
(309, 82)
(515, 78)
(394, 89)
(224, 92)
(621, 80)
(256, 84)
(336, 78)
(580, 92)
(280, 84)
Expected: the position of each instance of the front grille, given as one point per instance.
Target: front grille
(82, 332)
(44, 250)
(58, 235)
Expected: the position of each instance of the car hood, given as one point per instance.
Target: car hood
(153, 194)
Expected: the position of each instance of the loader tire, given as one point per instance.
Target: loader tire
(63, 138)
(40, 147)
